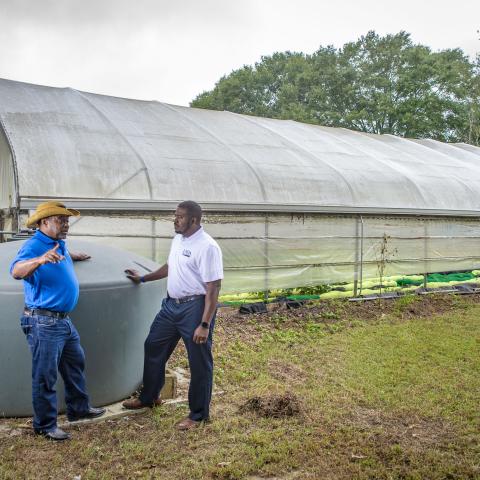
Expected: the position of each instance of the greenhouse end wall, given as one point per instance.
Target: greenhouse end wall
(272, 251)
(7, 178)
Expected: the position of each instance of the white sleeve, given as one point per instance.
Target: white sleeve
(172, 244)
(211, 264)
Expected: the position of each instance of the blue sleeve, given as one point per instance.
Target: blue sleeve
(25, 253)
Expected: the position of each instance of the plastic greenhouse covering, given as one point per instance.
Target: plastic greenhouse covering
(290, 204)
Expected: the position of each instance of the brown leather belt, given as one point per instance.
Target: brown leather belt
(47, 313)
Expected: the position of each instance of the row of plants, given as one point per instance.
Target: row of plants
(404, 283)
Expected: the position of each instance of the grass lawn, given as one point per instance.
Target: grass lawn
(332, 390)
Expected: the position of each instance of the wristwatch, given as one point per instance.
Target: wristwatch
(205, 325)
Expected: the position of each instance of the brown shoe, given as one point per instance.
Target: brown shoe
(187, 424)
(136, 404)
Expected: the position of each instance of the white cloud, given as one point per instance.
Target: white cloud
(172, 51)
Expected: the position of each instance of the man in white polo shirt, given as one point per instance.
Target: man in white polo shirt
(194, 270)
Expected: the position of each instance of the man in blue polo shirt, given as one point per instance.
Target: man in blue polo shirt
(51, 292)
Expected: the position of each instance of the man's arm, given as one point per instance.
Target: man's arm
(135, 277)
(211, 299)
(79, 257)
(25, 268)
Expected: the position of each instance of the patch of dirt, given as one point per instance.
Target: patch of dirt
(273, 406)
(409, 431)
(286, 372)
(430, 305)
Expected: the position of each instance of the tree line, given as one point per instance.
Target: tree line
(375, 84)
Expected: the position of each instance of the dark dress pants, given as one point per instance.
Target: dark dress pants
(175, 321)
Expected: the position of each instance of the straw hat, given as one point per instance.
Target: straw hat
(48, 209)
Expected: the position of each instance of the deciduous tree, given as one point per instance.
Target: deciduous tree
(376, 84)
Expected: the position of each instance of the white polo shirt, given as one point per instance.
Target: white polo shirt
(192, 262)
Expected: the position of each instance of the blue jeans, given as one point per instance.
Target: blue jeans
(175, 321)
(55, 346)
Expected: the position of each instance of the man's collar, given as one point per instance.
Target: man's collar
(39, 235)
(193, 235)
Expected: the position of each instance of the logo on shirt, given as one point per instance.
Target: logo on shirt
(187, 253)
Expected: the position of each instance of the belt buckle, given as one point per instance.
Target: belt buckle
(186, 299)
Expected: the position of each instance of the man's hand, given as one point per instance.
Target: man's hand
(200, 335)
(51, 256)
(133, 275)
(26, 268)
(79, 257)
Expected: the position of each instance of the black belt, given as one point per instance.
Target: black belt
(185, 299)
(47, 313)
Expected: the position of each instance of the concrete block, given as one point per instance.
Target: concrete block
(169, 390)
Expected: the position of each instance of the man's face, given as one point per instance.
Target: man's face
(55, 226)
(182, 221)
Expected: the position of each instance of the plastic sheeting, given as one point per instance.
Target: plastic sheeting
(263, 183)
(270, 251)
(100, 147)
(7, 184)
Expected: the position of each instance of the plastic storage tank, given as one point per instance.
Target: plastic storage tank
(113, 316)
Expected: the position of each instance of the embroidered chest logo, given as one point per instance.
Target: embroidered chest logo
(187, 253)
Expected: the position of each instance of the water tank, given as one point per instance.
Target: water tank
(113, 317)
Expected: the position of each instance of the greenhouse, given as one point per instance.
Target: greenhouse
(291, 204)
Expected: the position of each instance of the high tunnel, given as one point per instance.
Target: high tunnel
(290, 204)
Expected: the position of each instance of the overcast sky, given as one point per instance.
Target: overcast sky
(173, 50)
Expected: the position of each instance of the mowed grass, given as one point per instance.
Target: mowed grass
(382, 396)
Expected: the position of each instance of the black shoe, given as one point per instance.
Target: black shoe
(58, 434)
(92, 413)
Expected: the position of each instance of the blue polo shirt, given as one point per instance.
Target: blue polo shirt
(53, 286)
